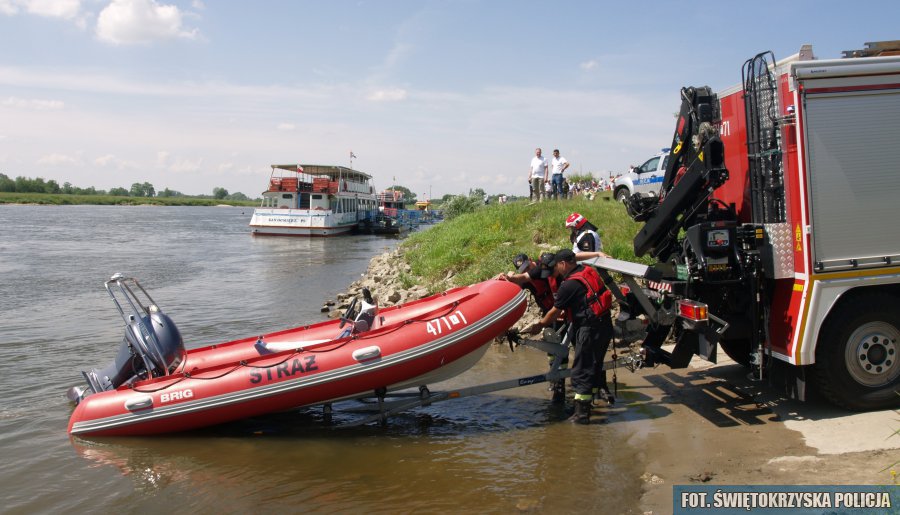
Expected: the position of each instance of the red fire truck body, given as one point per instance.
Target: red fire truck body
(779, 206)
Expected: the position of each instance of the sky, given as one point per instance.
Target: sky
(439, 96)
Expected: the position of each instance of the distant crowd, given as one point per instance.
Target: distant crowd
(546, 180)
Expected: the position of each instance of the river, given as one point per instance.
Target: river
(503, 452)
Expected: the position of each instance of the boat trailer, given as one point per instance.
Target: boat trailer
(554, 342)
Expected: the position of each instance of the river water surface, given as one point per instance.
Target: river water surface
(504, 452)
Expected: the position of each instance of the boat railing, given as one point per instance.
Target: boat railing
(135, 306)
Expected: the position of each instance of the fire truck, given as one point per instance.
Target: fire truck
(777, 228)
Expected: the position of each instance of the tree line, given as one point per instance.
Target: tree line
(39, 185)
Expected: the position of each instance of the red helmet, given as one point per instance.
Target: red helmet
(575, 221)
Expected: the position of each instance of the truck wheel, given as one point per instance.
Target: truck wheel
(738, 350)
(621, 194)
(858, 355)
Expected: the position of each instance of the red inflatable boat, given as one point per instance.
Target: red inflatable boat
(155, 386)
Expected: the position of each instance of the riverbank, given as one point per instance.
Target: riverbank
(114, 200)
(706, 424)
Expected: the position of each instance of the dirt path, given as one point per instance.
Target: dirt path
(710, 423)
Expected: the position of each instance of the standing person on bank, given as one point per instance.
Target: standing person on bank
(558, 165)
(586, 301)
(537, 174)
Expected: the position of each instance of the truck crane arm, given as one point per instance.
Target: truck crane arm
(695, 169)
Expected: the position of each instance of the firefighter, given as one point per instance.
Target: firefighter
(528, 276)
(586, 301)
(584, 237)
(586, 244)
(537, 278)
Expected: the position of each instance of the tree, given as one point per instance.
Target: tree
(460, 204)
(51, 187)
(220, 193)
(170, 193)
(119, 192)
(7, 184)
(477, 193)
(408, 195)
(237, 196)
(142, 190)
(26, 185)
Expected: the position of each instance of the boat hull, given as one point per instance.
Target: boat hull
(418, 343)
(300, 222)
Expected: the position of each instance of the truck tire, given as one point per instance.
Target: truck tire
(621, 194)
(858, 354)
(738, 350)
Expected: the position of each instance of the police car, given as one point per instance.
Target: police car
(645, 179)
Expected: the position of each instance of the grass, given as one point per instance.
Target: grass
(476, 246)
(112, 200)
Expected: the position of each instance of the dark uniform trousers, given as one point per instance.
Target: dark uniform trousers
(592, 337)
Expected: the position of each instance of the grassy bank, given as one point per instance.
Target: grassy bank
(112, 200)
(479, 245)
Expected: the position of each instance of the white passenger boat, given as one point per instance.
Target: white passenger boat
(313, 200)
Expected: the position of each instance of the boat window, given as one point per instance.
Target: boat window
(287, 196)
(317, 197)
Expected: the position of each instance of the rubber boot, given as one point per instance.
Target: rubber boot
(559, 392)
(582, 413)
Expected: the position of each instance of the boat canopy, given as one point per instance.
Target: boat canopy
(330, 171)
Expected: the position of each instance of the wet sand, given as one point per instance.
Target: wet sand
(712, 424)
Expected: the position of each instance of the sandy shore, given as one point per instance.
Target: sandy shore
(711, 424)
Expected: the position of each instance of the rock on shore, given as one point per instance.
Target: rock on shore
(385, 280)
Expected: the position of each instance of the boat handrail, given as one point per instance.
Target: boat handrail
(142, 338)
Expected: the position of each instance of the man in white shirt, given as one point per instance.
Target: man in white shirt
(558, 165)
(537, 174)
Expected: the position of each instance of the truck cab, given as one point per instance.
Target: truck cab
(645, 179)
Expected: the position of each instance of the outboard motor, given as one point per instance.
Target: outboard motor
(361, 318)
(152, 346)
(365, 320)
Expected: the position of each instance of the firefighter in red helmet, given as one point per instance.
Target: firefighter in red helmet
(586, 244)
(585, 240)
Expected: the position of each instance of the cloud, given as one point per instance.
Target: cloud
(33, 104)
(182, 165)
(164, 159)
(62, 9)
(387, 95)
(111, 160)
(130, 22)
(8, 7)
(589, 65)
(66, 9)
(286, 126)
(57, 160)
